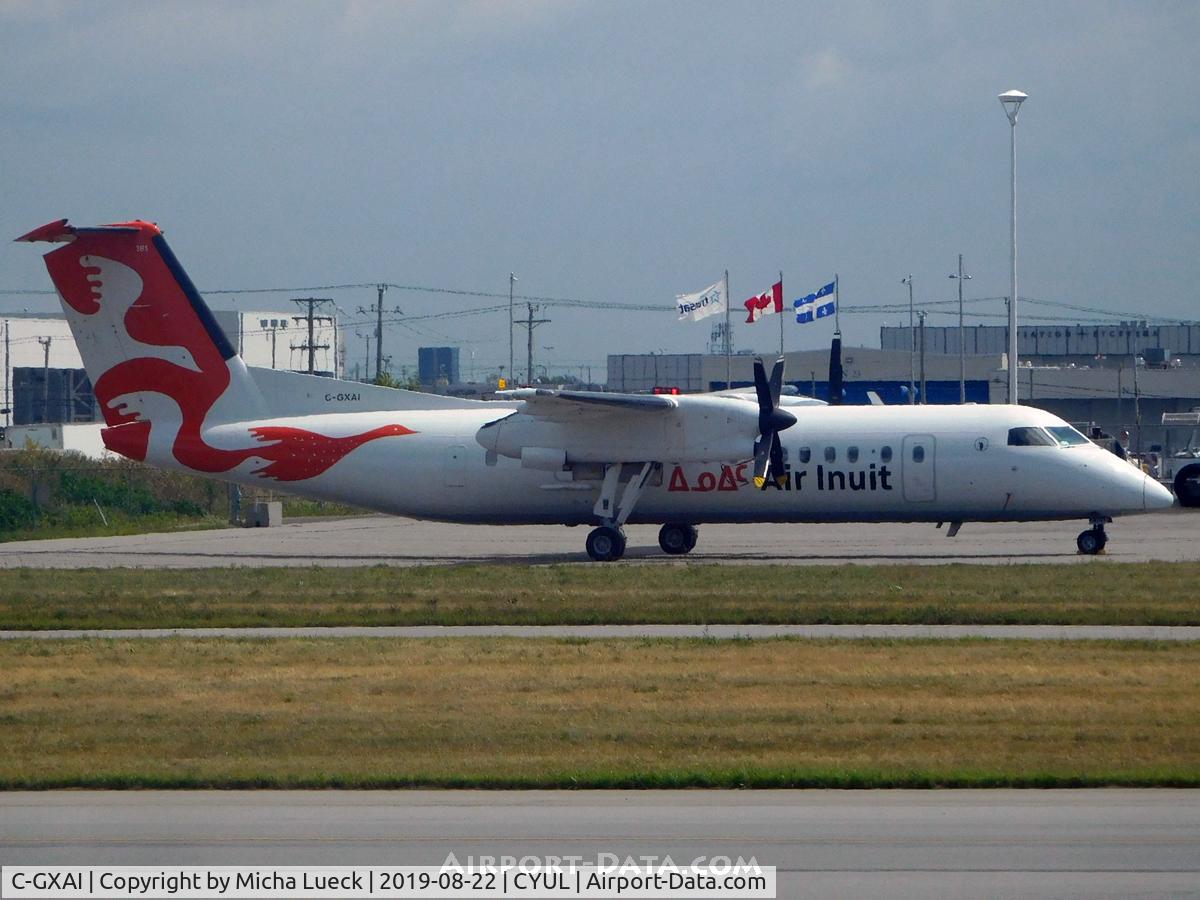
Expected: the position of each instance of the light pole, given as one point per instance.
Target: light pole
(912, 344)
(921, 315)
(1011, 101)
(962, 352)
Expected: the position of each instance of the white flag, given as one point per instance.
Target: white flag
(702, 304)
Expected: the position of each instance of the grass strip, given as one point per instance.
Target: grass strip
(497, 713)
(1156, 593)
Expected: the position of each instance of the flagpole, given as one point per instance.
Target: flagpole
(780, 313)
(728, 340)
(837, 305)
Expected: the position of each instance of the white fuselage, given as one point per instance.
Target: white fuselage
(868, 464)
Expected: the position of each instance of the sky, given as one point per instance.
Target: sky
(616, 152)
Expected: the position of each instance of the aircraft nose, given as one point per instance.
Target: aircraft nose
(1155, 496)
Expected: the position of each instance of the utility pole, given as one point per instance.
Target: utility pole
(311, 319)
(962, 350)
(512, 280)
(377, 310)
(912, 343)
(530, 323)
(45, 342)
(379, 289)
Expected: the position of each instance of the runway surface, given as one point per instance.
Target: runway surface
(707, 632)
(1097, 843)
(380, 540)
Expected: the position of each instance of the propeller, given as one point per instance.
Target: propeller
(768, 452)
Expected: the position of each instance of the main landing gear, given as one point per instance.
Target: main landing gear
(677, 538)
(1093, 540)
(607, 543)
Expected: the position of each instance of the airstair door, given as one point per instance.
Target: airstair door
(917, 468)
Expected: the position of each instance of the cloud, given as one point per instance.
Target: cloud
(826, 70)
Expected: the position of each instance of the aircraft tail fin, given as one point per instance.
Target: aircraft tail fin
(165, 373)
(151, 346)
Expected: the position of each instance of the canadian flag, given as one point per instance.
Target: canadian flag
(766, 303)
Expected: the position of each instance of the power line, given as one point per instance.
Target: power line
(583, 303)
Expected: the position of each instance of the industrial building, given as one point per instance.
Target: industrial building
(865, 369)
(38, 342)
(1110, 346)
(437, 364)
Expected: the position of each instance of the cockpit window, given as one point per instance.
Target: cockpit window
(1066, 436)
(1030, 437)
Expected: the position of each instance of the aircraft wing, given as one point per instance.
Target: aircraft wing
(558, 406)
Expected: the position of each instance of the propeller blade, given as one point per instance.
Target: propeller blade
(762, 388)
(777, 461)
(776, 381)
(762, 457)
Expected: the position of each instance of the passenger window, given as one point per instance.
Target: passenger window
(805, 455)
(830, 454)
(1029, 437)
(886, 454)
(852, 454)
(918, 453)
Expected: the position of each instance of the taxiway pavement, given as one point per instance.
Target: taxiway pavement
(696, 632)
(1094, 843)
(382, 540)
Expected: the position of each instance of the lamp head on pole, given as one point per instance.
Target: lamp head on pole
(1011, 101)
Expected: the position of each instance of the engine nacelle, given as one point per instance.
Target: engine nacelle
(701, 429)
(551, 459)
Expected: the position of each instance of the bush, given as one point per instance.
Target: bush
(15, 511)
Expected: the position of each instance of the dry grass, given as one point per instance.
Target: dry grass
(1109, 594)
(495, 712)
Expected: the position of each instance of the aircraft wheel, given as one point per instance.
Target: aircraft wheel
(676, 538)
(1091, 542)
(1187, 485)
(606, 544)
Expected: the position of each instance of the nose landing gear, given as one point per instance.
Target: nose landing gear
(1093, 540)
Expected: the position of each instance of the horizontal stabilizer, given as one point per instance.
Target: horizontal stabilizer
(297, 394)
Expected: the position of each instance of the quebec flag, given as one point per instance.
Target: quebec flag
(807, 308)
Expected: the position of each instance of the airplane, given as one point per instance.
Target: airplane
(175, 394)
